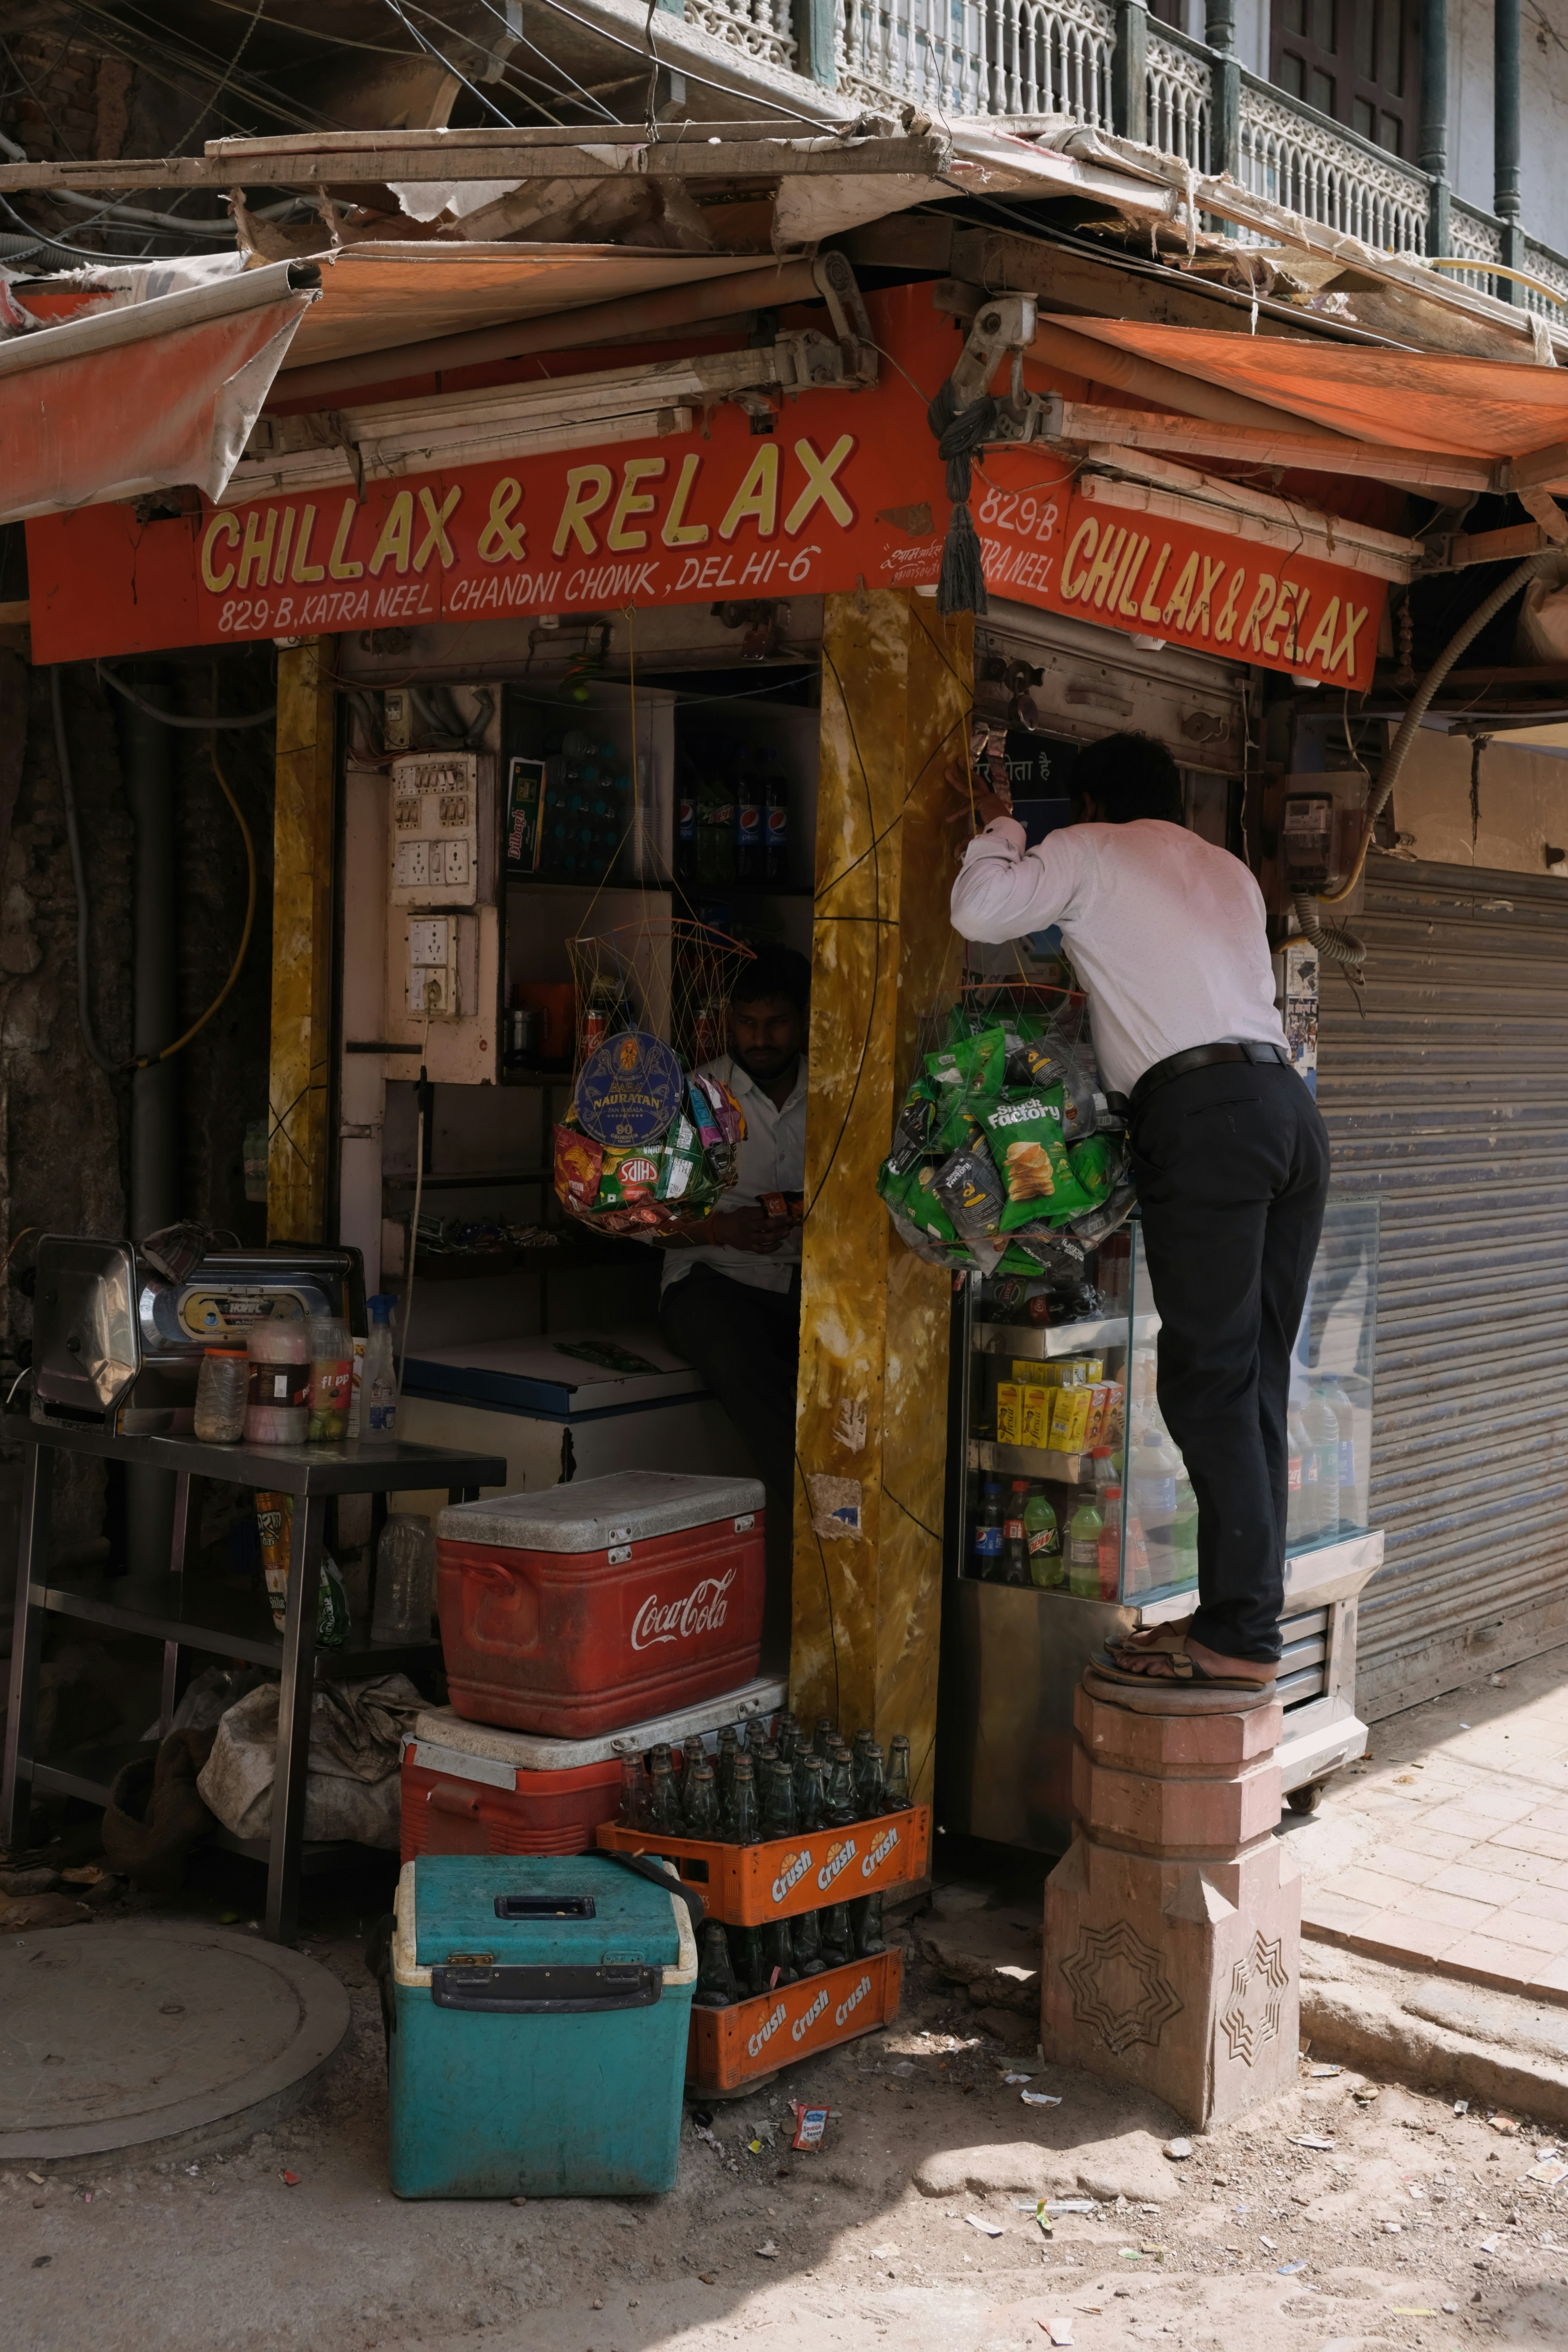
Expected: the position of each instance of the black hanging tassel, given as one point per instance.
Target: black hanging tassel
(961, 586)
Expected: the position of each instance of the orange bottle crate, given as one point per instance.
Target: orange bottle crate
(727, 2048)
(747, 1885)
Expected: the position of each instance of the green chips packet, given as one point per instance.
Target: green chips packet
(1031, 1156)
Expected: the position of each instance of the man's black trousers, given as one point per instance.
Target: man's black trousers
(1232, 1166)
(745, 1341)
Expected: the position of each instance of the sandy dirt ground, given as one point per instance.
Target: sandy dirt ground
(913, 2226)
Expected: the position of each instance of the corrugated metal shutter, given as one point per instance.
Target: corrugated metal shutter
(1450, 1101)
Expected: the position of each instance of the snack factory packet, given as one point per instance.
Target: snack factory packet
(811, 2123)
(974, 1066)
(578, 1162)
(917, 1120)
(1097, 1163)
(1093, 1226)
(1027, 1146)
(970, 1190)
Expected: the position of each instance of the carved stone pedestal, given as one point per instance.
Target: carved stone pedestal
(1172, 1954)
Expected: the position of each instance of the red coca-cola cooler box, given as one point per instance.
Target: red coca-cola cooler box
(584, 1608)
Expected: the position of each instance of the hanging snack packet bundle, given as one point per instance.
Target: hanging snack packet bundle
(650, 1187)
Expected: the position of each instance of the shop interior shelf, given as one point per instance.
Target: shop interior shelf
(231, 1621)
(1036, 1462)
(91, 1773)
(1064, 1338)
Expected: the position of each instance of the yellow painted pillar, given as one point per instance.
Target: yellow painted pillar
(871, 1414)
(303, 832)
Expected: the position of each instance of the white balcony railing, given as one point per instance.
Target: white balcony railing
(1553, 270)
(1181, 94)
(1301, 160)
(759, 28)
(1012, 58)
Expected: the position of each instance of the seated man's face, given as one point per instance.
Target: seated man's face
(765, 1036)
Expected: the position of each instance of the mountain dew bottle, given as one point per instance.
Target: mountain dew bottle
(1044, 1539)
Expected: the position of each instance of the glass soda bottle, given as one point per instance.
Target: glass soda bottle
(778, 1800)
(686, 835)
(838, 1810)
(808, 1792)
(701, 1807)
(786, 1736)
(778, 1956)
(866, 1926)
(1043, 1542)
(724, 1762)
(1015, 1543)
(826, 1732)
(1084, 1530)
(870, 1789)
(634, 1792)
(664, 1801)
(807, 1940)
(896, 1793)
(742, 1826)
(716, 1987)
(832, 1927)
(746, 1957)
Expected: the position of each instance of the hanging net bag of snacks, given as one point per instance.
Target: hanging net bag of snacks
(652, 1137)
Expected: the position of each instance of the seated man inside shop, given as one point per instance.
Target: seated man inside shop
(730, 1301)
(1229, 1155)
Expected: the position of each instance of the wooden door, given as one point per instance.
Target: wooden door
(1355, 60)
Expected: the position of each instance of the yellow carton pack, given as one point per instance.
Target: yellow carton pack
(1069, 1420)
(1037, 1415)
(1031, 1370)
(1099, 1400)
(1009, 1413)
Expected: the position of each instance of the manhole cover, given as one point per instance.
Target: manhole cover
(114, 2036)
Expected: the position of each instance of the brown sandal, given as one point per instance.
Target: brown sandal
(1166, 1660)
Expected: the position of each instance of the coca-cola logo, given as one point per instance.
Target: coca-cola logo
(702, 1610)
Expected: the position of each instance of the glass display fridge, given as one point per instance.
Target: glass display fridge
(1071, 1521)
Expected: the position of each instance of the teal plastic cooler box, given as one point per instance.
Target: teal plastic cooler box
(541, 2004)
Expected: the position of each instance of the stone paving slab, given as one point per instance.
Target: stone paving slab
(1447, 1848)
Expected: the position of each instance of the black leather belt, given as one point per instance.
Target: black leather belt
(1198, 1058)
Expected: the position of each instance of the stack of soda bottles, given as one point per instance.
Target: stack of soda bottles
(759, 1785)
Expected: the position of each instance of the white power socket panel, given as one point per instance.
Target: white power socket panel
(443, 821)
(441, 966)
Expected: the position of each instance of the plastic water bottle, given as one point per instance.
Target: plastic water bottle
(1296, 1529)
(1184, 1534)
(1084, 1530)
(1322, 1425)
(1153, 1466)
(379, 1377)
(1352, 1513)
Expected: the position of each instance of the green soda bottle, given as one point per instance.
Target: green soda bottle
(1044, 1538)
(1084, 1530)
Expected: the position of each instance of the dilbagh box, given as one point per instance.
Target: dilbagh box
(582, 1608)
(542, 2005)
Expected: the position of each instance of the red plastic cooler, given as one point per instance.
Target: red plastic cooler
(472, 1788)
(584, 1608)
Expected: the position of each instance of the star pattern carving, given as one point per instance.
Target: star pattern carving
(1259, 1983)
(1119, 1988)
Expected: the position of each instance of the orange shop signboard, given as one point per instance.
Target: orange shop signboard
(847, 488)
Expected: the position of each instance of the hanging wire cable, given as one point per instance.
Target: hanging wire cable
(228, 73)
(725, 90)
(83, 919)
(146, 1061)
(522, 40)
(429, 46)
(175, 719)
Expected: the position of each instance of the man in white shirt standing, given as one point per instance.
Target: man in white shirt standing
(1229, 1154)
(731, 1300)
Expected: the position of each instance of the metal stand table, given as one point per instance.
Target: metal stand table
(169, 1611)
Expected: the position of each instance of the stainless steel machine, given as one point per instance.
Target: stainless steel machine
(119, 1328)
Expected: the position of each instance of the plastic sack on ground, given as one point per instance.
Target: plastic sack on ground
(352, 1790)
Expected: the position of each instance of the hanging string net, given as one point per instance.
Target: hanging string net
(652, 1135)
